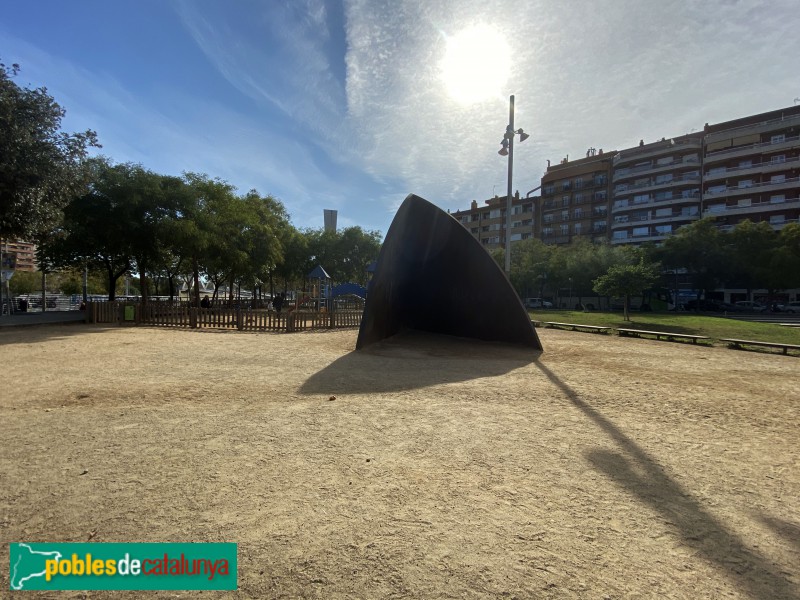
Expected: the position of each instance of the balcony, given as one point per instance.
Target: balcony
(657, 149)
(756, 188)
(762, 167)
(754, 208)
(678, 218)
(672, 183)
(627, 172)
(788, 143)
(694, 199)
(755, 128)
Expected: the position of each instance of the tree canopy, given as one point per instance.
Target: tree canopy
(41, 167)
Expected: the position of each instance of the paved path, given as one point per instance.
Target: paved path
(42, 318)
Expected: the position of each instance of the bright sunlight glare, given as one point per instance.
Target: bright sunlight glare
(476, 64)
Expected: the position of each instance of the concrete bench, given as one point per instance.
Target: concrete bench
(576, 327)
(659, 335)
(740, 344)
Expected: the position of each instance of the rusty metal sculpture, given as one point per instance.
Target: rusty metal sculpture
(433, 276)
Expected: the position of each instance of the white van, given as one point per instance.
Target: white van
(537, 303)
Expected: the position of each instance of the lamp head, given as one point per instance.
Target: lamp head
(503, 151)
(522, 135)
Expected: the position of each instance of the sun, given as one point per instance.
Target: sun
(476, 64)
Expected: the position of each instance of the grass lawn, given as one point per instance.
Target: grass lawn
(713, 327)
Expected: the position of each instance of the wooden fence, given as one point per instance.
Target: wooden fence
(243, 319)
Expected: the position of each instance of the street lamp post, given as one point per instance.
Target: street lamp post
(508, 150)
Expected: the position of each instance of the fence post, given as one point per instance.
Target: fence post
(290, 322)
(193, 318)
(239, 318)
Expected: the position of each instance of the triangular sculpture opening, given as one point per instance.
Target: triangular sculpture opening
(433, 276)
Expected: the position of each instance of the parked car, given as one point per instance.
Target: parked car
(792, 307)
(710, 306)
(537, 303)
(750, 306)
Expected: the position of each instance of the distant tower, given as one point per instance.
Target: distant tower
(330, 220)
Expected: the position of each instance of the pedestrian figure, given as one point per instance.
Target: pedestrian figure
(205, 302)
(277, 302)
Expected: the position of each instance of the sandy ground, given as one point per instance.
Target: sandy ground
(605, 468)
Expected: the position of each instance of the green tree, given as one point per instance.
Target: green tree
(627, 280)
(784, 264)
(41, 167)
(751, 246)
(699, 248)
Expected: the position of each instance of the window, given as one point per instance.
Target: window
(664, 195)
(620, 235)
(716, 208)
(485, 228)
(527, 222)
(578, 183)
(663, 229)
(475, 217)
(527, 236)
(516, 223)
(778, 158)
(515, 237)
(621, 219)
(775, 219)
(620, 203)
(465, 219)
(743, 164)
(565, 201)
(564, 229)
(474, 230)
(777, 199)
(494, 214)
(578, 198)
(744, 202)
(547, 231)
(600, 179)
(777, 139)
(578, 213)
(666, 178)
(663, 212)
(664, 160)
(641, 198)
(745, 183)
(548, 190)
(599, 226)
(641, 231)
(564, 215)
(494, 227)
(716, 189)
(598, 196)
(690, 211)
(577, 228)
(548, 218)
(691, 158)
(565, 185)
(717, 170)
(692, 193)
(494, 240)
(777, 179)
(485, 215)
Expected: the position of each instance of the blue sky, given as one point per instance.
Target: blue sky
(353, 104)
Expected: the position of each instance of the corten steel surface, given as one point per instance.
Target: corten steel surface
(434, 276)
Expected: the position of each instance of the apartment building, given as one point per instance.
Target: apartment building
(656, 189)
(487, 222)
(751, 169)
(22, 254)
(575, 199)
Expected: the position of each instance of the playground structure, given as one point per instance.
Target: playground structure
(321, 296)
(434, 276)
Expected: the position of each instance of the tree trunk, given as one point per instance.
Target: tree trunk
(143, 283)
(626, 304)
(44, 292)
(196, 276)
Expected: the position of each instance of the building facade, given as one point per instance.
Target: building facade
(656, 189)
(23, 254)
(575, 199)
(751, 169)
(748, 168)
(487, 222)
